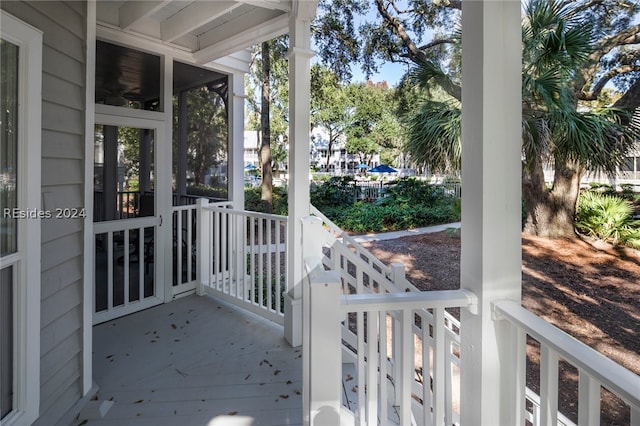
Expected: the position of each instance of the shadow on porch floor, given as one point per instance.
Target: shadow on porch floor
(196, 361)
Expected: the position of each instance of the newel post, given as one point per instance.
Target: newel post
(322, 351)
(203, 253)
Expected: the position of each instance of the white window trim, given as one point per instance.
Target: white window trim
(27, 297)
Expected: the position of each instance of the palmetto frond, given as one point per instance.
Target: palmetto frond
(434, 135)
(428, 73)
(596, 139)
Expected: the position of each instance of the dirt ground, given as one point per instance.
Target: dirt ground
(588, 289)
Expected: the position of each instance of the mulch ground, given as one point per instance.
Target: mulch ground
(588, 289)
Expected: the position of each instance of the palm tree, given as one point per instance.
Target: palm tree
(557, 40)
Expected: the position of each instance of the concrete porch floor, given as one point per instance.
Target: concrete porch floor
(196, 361)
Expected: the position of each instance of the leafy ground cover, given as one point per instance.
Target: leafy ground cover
(590, 290)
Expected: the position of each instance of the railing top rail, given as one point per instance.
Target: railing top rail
(223, 209)
(348, 240)
(409, 300)
(184, 207)
(611, 375)
(124, 225)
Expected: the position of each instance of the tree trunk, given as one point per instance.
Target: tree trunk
(329, 146)
(265, 146)
(551, 212)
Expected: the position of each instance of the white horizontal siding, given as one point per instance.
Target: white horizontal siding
(60, 250)
(66, 378)
(60, 228)
(61, 302)
(63, 67)
(53, 334)
(63, 26)
(61, 171)
(57, 277)
(62, 119)
(61, 145)
(62, 92)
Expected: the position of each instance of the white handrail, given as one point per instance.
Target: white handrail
(609, 374)
(410, 300)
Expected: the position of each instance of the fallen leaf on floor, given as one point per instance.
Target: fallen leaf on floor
(174, 326)
(233, 413)
(275, 373)
(139, 401)
(289, 382)
(284, 396)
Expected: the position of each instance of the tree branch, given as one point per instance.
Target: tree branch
(436, 43)
(413, 52)
(597, 88)
(631, 99)
(453, 4)
(630, 35)
(627, 36)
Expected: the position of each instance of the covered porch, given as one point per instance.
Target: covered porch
(197, 361)
(355, 324)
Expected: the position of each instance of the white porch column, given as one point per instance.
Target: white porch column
(491, 206)
(299, 127)
(236, 140)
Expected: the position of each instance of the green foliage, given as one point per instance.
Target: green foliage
(254, 203)
(208, 192)
(335, 192)
(409, 191)
(608, 218)
(408, 204)
(371, 126)
(207, 129)
(367, 217)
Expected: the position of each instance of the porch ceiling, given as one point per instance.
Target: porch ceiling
(207, 29)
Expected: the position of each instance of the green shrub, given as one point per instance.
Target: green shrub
(253, 200)
(338, 190)
(412, 191)
(219, 193)
(366, 217)
(608, 218)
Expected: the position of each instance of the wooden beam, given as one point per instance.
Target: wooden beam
(135, 10)
(194, 16)
(240, 33)
(283, 5)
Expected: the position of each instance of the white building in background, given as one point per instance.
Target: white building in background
(252, 147)
(340, 162)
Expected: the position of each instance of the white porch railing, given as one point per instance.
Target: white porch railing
(595, 371)
(242, 258)
(417, 344)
